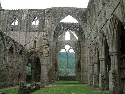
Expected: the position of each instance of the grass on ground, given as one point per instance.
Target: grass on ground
(11, 91)
(64, 87)
(69, 87)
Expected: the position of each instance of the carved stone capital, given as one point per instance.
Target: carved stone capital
(102, 59)
(113, 53)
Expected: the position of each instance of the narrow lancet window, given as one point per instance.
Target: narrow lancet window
(14, 21)
(35, 21)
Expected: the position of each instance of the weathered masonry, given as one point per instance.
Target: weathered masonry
(36, 36)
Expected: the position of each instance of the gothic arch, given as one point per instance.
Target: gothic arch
(75, 13)
(26, 60)
(112, 34)
(29, 54)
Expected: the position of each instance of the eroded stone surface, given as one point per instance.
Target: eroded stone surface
(99, 58)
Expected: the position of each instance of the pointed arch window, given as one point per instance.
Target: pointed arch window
(69, 19)
(14, 21)
(35, 21)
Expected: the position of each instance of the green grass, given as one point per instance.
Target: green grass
(69, 87)
(11, 91)
(64, 87)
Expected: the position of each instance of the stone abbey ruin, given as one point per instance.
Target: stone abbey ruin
(99, 49)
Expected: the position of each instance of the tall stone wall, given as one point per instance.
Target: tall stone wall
(11, 61)
(97, 51)
(41, 38)
(103, 21)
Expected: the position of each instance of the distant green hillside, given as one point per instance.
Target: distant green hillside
(63, 70)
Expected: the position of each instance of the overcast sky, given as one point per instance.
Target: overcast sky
(42, 4)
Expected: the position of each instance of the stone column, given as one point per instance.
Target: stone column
(114, 77)
(89, 59)
(44, 73)
(45, 57)
(83, 65)
(90, 75)
(96, 69)
(96, 76)
(103, 74)
(96, 73)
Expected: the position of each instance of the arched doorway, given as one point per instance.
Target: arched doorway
(29, 71)
(33, 69)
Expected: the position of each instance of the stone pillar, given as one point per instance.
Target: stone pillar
(83, 65)
(96, 76)
(114, 77)
(54, 63)
(103, 74)
(45, 57)
(90, 75)
(44, 73)
(96, 69)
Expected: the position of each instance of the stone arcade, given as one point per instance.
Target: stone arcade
(36, 36)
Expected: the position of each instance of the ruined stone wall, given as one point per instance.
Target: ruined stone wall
(40, 38)
(25, 31)
(98, 36)
(11, 61)
(103, 17)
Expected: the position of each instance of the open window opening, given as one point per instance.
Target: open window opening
(69, 19)
(35, 21)
(33, 69)
(14, 21)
